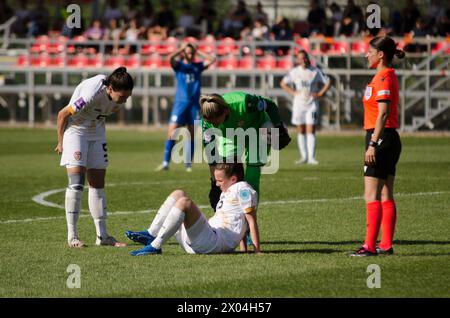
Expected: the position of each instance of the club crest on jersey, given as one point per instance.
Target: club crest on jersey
(77, 155)
(244, 195)
(79, 103)
(368, 93)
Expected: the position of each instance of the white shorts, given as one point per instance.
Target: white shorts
(302, 115)
(200, 238)
(80, 152)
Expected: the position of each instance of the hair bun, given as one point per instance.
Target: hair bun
(399, 53)
(121, 69)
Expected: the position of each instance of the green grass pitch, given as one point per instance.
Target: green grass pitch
(310, 217)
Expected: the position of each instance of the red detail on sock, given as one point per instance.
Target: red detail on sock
(373, 213)
(388, 223)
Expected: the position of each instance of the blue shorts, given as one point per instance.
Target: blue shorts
(184, 113)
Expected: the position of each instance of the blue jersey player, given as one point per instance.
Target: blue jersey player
(186, 105)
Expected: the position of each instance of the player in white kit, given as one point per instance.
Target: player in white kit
(309, 85)
(222, 233)
(82, 143)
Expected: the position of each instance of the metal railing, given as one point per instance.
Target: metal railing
(6, 28)
(153, 84)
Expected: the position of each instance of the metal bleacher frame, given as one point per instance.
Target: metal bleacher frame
(427, 78)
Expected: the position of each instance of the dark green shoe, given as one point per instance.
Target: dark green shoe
(382, 251)
(363, 252)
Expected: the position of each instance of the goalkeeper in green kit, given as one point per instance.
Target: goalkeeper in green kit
(231, 111)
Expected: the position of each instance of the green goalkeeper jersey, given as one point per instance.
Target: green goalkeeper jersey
(246, 111)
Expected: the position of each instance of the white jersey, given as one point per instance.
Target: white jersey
(306, 81)
(89, 106)
(229, 219)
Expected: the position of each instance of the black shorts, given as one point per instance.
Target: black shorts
(386, 154)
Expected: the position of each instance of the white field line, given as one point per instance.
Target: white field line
(41, 197)
(264, 203)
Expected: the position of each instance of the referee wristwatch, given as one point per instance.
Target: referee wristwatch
(373, 144)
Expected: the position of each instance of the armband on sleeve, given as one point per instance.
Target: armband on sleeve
(262, 104)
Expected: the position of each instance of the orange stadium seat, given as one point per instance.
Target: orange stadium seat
(267, 62)
(132, 61)
(22, 60)
(165, 62)
(228, 62)
(246, 62)
(207, 45)
(259, 51)
(338, 48)
(190, 39)
(57, 45)
(226, 46)
(148, 49)
(153, 61)
(41, 44)
(168, 46)
(79, 38)
(41, 60)
(439, 46)
(285, 62)
(360, 48)
(58, 60)
(114, 61)
(71, 49)
(95, 60)
(79, 60)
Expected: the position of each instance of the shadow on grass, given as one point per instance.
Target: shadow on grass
(302, 251)
(399, 242)
(290, 251)
(425, 254)
(329, 251)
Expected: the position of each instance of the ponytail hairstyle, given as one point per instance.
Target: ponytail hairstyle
(119, 80)
(387, 45)
(212, 106)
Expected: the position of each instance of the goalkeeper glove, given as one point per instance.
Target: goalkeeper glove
(283, 136)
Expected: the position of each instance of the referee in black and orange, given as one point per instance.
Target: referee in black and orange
(383, 147)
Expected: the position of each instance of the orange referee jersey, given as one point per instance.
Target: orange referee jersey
(383, 87)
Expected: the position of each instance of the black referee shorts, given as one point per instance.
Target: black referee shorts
(386, 154)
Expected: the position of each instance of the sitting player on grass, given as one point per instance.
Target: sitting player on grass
(233, 111)
(222, 233)
(239, 110)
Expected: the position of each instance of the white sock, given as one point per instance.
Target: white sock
(170, 226)
(97, 207)
(73, 204)
(301, 140)
(160, 217)
(311, 140)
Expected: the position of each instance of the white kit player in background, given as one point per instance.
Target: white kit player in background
(309, 85)
(82, 142)
(222, 233)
